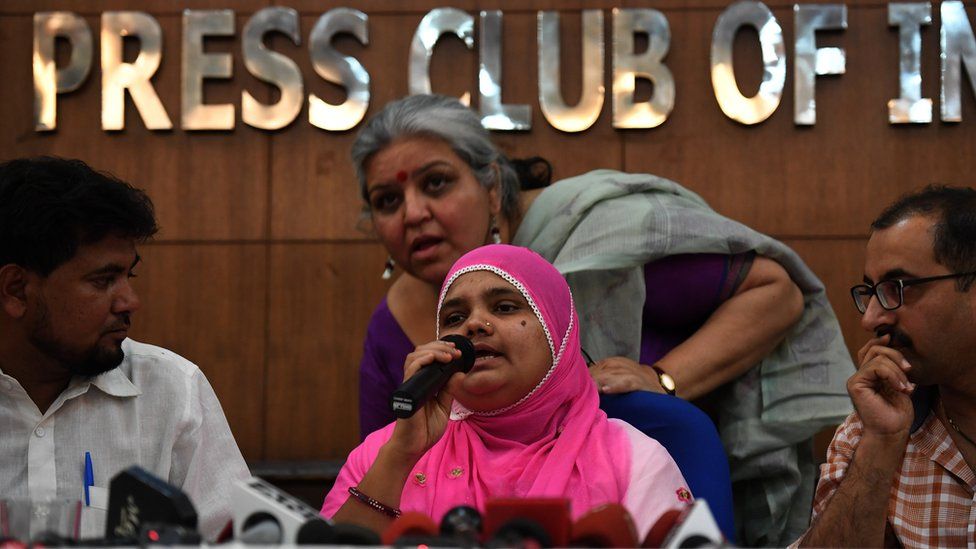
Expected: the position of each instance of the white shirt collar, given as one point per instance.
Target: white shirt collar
(116, 383)
(113, 383)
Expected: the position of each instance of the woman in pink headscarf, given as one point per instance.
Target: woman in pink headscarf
(524, 422)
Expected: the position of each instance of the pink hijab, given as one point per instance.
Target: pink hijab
(554, 442)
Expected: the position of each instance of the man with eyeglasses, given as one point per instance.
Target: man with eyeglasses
(900, 469)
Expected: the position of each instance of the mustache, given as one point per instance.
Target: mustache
(123, 323)
(897, 339)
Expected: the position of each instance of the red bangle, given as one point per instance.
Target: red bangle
(391, 512)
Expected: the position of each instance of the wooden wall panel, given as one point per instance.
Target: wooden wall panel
(207, 303)
(321, 297)
(387, 7)
(206, 185)
(831, 178)
(314, 188)
(315, 194)
(262, 276)
(599, 146)
(155, 7)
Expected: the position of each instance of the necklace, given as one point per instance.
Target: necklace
(957, 429)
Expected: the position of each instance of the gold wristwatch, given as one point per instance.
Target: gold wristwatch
(665, 379)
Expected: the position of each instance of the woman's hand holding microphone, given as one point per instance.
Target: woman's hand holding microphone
(425, 398)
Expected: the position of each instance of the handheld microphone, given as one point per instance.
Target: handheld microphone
(417, 390)
(137, 499)
(608, 525)
(267, 516)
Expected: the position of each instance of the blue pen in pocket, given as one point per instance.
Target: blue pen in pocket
(89, 478)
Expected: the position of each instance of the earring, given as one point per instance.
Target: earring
(388, 268)
(494, 231)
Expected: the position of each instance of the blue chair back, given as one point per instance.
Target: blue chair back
(690, 437)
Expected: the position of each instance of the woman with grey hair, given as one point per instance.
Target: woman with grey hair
(674, 300)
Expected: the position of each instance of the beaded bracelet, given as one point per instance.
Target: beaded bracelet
(378, 506)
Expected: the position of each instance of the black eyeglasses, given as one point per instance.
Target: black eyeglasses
(891, 293)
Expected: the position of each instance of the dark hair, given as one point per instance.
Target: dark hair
(954, 232)
(50, 206)
(533, 173)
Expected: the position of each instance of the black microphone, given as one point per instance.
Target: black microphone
(322, 532)
(414, 392)
(138, 499)
(463, 524)
(521, 533)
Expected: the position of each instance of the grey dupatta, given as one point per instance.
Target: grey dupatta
(600, 228)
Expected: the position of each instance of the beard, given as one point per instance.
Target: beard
(87, 363)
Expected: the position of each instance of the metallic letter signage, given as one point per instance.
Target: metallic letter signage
(141, 33)
(958, 48)
(198, 65)
(48, 80)
(628, 67)
(496, 115)
(910, 108)
(117, 77)
(557, 113)
(273, 68)
(812, 61)
(437, 22)
(339, 69)
(748, 110)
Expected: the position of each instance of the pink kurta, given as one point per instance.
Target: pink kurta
(554, 442)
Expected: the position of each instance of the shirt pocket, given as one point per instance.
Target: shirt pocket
(93, 522)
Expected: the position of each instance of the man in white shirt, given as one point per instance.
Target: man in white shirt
(71, 382)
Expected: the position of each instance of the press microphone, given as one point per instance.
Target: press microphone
(140, 500)
(661, 528)
(521, 533)
(341, 534)
(412, 525)
(692, 527)
(414, 392)
(609, 525)
(541, 521)
(462, 524)
(265, 515)
(460, 527)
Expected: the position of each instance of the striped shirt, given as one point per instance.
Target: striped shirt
(932, 500)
